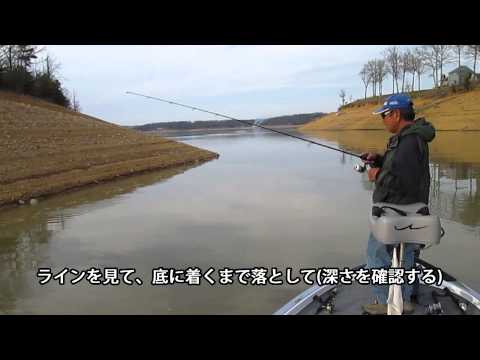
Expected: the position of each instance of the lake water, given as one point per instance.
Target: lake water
(268, 201)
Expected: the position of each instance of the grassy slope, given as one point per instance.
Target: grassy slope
(460, 111)
(46, 149)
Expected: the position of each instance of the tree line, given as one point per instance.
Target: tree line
(30, 70)
(405, 67)
(297, 119)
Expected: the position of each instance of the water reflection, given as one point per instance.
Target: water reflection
(454, 185)
(25, 231)
(454, 192)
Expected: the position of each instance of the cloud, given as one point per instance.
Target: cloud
(246, 79)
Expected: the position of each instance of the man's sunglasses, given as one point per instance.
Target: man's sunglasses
(385, 114)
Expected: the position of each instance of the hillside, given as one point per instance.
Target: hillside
(446, 110)
(46, 149)
(296, 119)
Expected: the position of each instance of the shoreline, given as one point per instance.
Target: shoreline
(227, 129)
(45, 194)
(46, 150)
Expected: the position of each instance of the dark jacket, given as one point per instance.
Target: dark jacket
(404, 177)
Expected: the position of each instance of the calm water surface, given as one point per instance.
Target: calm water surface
(268, 201)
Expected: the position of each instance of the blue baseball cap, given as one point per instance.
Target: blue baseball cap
(393, 102)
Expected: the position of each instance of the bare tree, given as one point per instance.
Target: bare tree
(372, 71)
(342, 95)
(375, 73)
(9, 55)
(405, 65)
(392, 59)
(458, 50)
(421, 69)
(407, 87)
(75, 103)
(431, 60)
(365, 76)
(3, 62)
(418, 65)
(413, 67)
(445, 57)
(381, 74)
(472, 52)
(50, 66)
(435, 57)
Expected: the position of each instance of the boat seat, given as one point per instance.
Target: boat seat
(394, 224)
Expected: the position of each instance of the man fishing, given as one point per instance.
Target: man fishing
(401, 177)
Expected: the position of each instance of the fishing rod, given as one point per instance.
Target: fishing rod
(357, 167)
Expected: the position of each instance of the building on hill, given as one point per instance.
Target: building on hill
(460, 75)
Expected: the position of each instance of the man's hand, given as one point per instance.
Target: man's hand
(372, 174)
(369, 158)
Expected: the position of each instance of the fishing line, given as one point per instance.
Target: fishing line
(243, 122)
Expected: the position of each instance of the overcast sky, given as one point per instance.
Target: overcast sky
(240, 81)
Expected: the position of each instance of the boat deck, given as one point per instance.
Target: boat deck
(350, 298)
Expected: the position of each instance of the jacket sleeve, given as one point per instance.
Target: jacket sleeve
(378, 161)
(404, 175)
